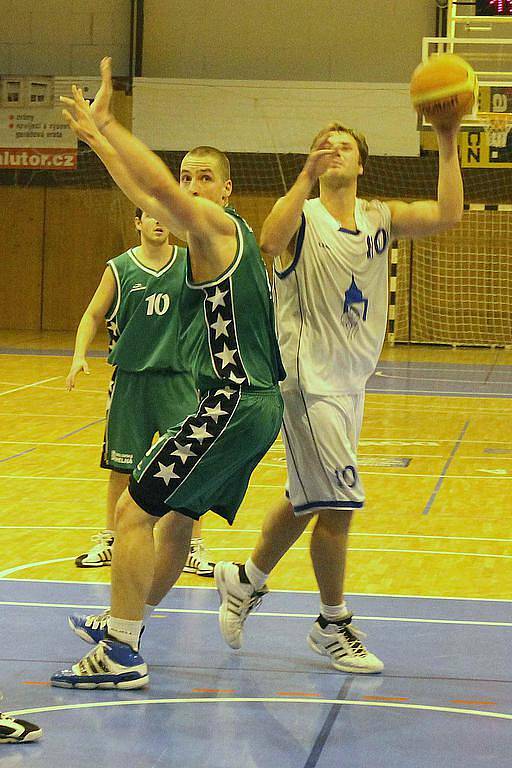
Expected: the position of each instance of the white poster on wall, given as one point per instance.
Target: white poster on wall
(33, 132)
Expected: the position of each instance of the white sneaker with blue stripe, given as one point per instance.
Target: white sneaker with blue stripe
(110, 664)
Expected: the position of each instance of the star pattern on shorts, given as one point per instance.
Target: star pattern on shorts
(176, 454)
(166, 473)
(214, 413)
(200, 433)
(183, 451)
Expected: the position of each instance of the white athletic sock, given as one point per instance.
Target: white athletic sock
(108, 533)
(125, 631)
(255, 576)
(334, 612)
(196, 542)
(148, 610)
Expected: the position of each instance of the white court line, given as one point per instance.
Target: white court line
(25, 566)
(404, 476)
(283, 591)
(263, 700)
(265, 614)
(375, 549)
(61, 388)
(16, 568)
(438, 392)
(480, 368)
(383, 375)
(79, 418)
(63, 479)
(233, 531)
(27, 386)
(60, 444)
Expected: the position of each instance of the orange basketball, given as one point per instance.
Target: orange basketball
(444, 88)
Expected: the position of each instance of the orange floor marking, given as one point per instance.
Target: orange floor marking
(385, 698)
(295, 693)
(35, 682)
(212, 690)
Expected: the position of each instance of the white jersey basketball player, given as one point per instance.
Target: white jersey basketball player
(331, 303)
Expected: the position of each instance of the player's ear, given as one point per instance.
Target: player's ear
(228, 188)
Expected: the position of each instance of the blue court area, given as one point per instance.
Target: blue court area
(451, 379)
(444, 699)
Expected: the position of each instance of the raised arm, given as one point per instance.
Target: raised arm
(429, 217)
(283, 220)
(91, 320)
(138, 171)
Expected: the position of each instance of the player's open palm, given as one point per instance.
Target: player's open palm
(77, 366)
(80, 120)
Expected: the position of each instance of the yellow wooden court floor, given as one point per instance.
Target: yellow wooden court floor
(435, 453)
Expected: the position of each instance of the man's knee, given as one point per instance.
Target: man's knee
(333, 522)
(129, 515)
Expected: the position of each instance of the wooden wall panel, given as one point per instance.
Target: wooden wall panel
(21, 244)
(84, 228)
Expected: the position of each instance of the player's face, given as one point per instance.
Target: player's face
(202, 177)
(153, 231)
(349, 166)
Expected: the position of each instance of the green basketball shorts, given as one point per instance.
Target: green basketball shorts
(207, 461)
(139, 406)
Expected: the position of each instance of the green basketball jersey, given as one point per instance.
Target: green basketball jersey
(228, 323)
(143, 321)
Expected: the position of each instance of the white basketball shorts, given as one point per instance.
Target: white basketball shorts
(321, 434)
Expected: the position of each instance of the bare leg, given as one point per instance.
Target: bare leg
(117, 483)
(328, 549)
(196, 529)
(172, 540)
(133, 559)
(280, 530)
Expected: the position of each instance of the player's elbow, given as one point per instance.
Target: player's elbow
(270, 245)
(452, 218)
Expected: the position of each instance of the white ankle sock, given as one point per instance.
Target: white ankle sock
(125, 631)
(255, 576)
(148, 610)
(196, 543)
(334, 612)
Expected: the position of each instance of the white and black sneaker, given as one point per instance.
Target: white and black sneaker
(342, 643)
(237, 599)
(198, 561)
(13, 730)
(100, 554)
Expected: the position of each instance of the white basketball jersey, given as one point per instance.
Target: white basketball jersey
(332, 300)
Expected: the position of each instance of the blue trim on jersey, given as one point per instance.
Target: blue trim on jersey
(330, 505)
(298, 250)
(350, 231)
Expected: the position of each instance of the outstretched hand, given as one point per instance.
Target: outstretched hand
(80, 120)
(100, 107)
